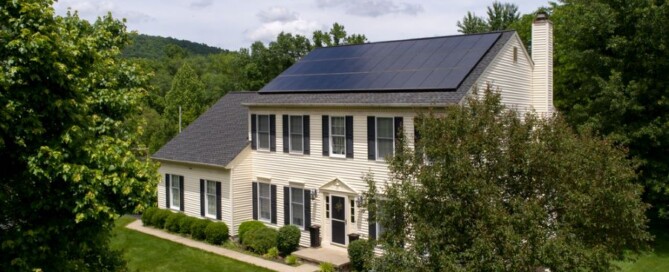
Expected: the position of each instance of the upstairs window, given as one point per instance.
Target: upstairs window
(210, 199)
(263, 132)
(296, 134)
(338, 136)
(385, 137)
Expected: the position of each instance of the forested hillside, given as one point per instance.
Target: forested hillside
(194, 76)
(156, 47)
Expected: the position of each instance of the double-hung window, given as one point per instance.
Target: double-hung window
(385, 137)
(338, 136)
(265, 201)
(175, 190)
(210, 198)
(297, 206)
(296, 134)
(263, 132)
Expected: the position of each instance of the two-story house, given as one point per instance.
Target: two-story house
(295, 152)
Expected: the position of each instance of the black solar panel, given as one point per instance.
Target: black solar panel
(440, 63)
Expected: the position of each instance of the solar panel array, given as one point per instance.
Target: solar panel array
(440, 63)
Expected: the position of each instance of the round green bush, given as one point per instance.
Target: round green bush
(260, 240)
(159, 218)
(288, 239)
(198, 227)
(147, 216)
(172, 222)
(247, 226)
(360, 253)
(185, 223)
(216, 233)
(291, 260)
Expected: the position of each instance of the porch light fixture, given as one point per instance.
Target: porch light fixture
(359, 200)
(314, 194)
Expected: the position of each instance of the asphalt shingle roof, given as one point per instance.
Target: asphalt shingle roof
(214, 138)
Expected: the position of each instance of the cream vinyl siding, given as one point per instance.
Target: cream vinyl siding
(192, 175)
(542, 53)
(315, 170)
(513, 79)
(240, 194)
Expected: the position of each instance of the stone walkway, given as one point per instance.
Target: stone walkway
(336, 256)
(137, 225)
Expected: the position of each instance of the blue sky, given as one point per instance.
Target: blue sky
(235, 24)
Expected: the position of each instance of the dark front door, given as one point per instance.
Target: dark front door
(338, 211)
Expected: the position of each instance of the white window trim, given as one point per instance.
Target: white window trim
(269, 140)
(172, 206)
(290, 195)
(376, 135)
(260, 218)
(332, 141)
(206, 199)
(290, 134)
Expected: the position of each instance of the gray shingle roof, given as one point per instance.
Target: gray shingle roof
(214, 138)
(388, 98)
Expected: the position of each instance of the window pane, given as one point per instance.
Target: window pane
(298, 214)
(296, 124)
(265, 212)
(176, 197)
(264, 190)
(263, 140)
(385, 148)
(263, 123)
(211, 204)
(297, 195)
(384, 127)
(211, 187)
(338, 126)
(296, 142)
(338, 145)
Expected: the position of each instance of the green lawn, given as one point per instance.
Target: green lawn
(148, 253)
(658, 260)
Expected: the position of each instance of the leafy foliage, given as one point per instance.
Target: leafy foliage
(361, 253)
(147, 216)
(185, 224)
(159, 218)
(260, 240)
(501, 16)
(198, 228)
(247, 226)
(155, 47)
(489, 191)
(216, 233)
(291, 260)
(66, 150)
(186, 93)
(288, 239)
(172, 221)
(272, 253)
(326, 267)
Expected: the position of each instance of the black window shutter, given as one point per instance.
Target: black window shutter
(371, 137)
(273, 204)
(254, 198)
(307, 209)
(167, 191)
(254, 137)
(181, 193)
(272, 133)
(326, 135)
(399, 132)
(286, 205)
(285, 124)
(306, 134)
(349, 136)
(372, 230)
(218, 201)
(202, 196)
(416, 134)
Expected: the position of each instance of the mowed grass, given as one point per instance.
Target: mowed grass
(144, 252)
(655, 261)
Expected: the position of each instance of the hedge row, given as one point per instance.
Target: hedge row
(257, 237)
(200, 229)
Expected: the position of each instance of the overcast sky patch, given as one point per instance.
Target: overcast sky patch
(372, 8)
(201, 3)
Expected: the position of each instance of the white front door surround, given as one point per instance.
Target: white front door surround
(335, 215)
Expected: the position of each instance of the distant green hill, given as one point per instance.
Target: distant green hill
(154, 47)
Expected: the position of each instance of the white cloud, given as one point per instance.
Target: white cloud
(201, 3)
(277, 14)
(90, 10)
(372, 8)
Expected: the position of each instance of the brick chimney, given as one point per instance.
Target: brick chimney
(542, 55)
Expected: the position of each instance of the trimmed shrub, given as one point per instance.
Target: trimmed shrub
(288, 239)
(185, 223)
(272, 253)
(360, 253)
(159, 217)
(216, 233)
(198, 227)
(326, 267)
(260, 240)
(291, 260)
(247, 226)
(172, 222)
(147, 215)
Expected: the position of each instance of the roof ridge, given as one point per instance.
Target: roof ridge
(418, 39)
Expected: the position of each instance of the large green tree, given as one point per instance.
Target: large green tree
(611, 75)
(185, 99)
(487, 190)
(66, 149)
(501, 16)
